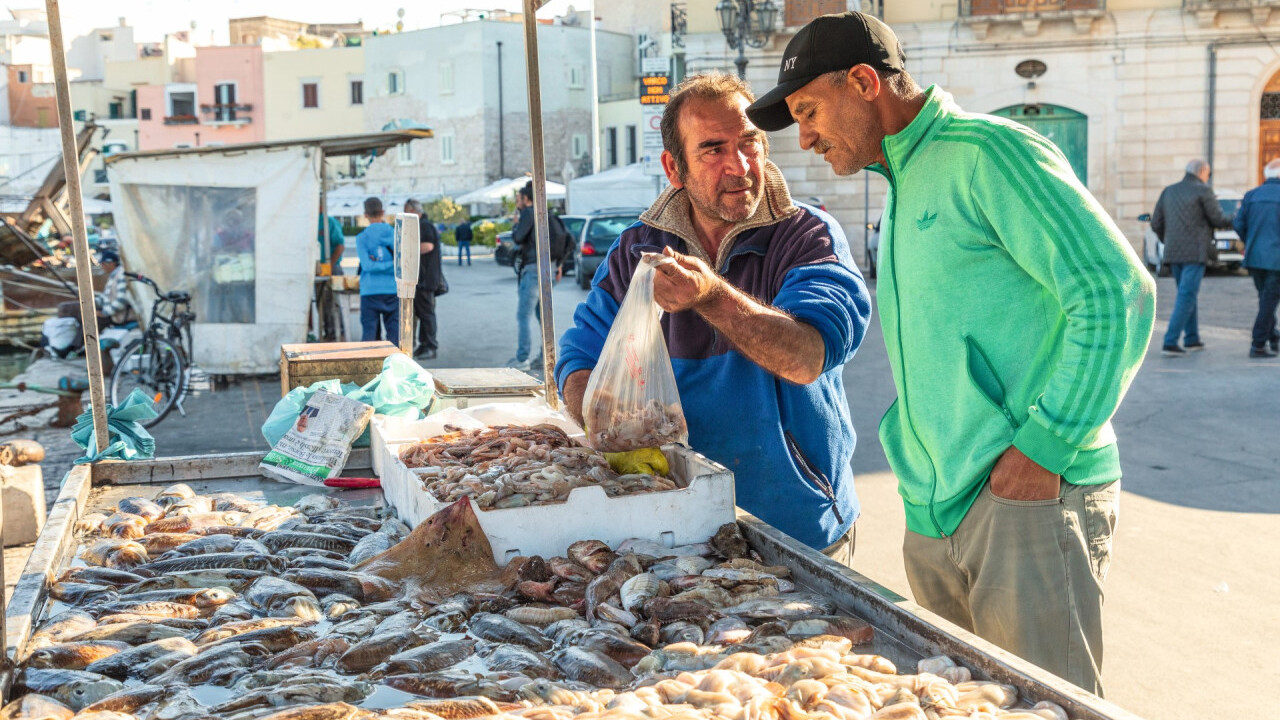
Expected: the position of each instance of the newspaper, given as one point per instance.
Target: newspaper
(316, 447)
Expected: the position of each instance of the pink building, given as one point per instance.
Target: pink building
(223, 105)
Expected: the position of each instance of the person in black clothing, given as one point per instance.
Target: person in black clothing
(430, 282)
(528, 307)
(463, 235)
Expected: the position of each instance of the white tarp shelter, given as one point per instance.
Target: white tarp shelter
(495, 192)
(235, 229)
(235, 226)
(348, 200)
(626, 186)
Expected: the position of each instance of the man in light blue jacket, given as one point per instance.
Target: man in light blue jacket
(378, 301)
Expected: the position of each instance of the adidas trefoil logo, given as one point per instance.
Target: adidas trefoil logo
(926, 220)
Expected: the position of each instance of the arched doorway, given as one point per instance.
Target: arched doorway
(1064, 127)
(1269, 125)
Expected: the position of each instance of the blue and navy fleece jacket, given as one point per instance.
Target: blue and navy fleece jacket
(788, 445)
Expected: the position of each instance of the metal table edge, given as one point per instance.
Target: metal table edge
(918, 628)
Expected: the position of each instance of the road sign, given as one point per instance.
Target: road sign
(655, 65)
(655, 89)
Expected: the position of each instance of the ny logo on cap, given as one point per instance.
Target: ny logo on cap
(788, 64)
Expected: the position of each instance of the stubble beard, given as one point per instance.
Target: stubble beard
(724, 214)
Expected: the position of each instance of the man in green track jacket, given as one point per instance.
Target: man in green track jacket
(1015, 315)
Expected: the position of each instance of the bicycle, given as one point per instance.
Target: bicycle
(159, 362)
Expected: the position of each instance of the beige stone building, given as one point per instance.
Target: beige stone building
(467, 82)
(1130, 89)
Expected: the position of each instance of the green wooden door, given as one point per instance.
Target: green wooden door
(1066, 128)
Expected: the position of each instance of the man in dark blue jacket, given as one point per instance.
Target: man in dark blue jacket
(764, 306)
(463, 237)
(1258, 224)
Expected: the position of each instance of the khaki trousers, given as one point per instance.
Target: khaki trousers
(842, 550)
(1026, 575)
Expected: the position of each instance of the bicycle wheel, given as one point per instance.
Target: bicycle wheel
(153, 366)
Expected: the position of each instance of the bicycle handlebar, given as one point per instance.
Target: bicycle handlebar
(177, 296)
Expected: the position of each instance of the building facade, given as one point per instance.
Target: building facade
(313, 93)
(221, 102)
(31, 96)
(467, 82)
(24, 41)
(1130, 90)
(89, 54)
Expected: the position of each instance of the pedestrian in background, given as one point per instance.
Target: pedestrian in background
(379, 306)
(1185, 217)
(430, 282)
(1258, 224)
(1015, 315)
(332, 253)
(528, 307)
(463, 236)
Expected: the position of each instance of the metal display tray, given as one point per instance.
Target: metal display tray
(905, 632)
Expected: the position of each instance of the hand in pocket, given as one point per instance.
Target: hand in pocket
(1018, 477)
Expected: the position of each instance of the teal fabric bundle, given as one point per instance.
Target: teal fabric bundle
(400, 390)
(127, 439)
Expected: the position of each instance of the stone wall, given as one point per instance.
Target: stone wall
(1141, 77)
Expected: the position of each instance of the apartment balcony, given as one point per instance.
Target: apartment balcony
(226, 114)
(981, 15)
(1206, 11)
(181, 120)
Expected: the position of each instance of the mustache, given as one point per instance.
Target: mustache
(745, 183)
(822, 146)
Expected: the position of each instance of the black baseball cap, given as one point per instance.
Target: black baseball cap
(827, 44)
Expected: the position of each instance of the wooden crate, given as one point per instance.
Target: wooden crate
(356, 362)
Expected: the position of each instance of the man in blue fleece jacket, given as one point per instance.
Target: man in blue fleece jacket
(757, 343)
(379, 305)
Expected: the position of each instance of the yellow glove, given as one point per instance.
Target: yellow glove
(646, 461)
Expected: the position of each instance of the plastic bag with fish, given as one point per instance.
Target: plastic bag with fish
(632, 401)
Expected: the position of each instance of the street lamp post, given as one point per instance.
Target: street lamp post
(746, 23)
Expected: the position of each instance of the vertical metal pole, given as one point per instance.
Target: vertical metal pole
(744, 22)
(1210, 130)
(502, 143)
(866, 220)
(595, 97)
(80, 242)
(406, 326)
(545, 278)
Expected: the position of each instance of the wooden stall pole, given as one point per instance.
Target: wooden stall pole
(80, 244)
(545, 278)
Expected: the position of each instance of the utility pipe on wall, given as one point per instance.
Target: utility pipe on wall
(1211, 103)
(502, 168)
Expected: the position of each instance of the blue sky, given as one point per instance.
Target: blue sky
(151, 19)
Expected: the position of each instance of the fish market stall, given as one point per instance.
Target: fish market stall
(216, 221)
(265, 616)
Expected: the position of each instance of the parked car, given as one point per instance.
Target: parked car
(600, 229)
(504, 253)
(1230, 246)
(573, 224)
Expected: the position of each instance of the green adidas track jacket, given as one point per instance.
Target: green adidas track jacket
(1014, 311)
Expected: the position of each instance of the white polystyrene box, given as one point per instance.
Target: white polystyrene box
(385, 430)
(675, 517)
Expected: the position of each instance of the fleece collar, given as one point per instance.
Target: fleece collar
(672, 212)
